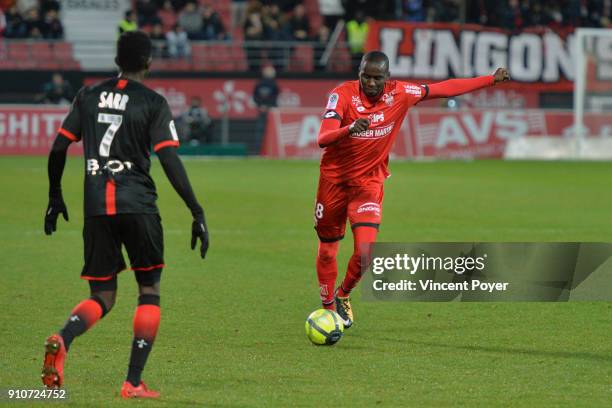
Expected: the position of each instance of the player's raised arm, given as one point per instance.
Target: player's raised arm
(455, 87)
(175, 171)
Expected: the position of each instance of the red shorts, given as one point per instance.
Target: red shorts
(361, 204)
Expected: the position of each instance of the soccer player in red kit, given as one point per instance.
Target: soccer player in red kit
(359, 126)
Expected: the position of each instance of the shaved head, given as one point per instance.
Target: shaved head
(375, 57)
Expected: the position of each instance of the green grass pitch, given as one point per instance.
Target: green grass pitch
(232, 331)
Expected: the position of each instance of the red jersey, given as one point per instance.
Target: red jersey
(365, 155)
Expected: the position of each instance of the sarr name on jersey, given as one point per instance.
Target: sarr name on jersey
(375, 133)
(113, 100)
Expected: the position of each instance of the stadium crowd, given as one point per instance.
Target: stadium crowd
(176, 22)
(35, 19)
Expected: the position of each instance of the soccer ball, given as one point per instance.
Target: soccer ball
(324, 327)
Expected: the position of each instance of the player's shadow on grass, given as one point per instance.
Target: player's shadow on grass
(512, 350)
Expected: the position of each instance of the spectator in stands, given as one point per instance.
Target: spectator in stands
(369, 8)
(58, 91)
(572, 12)
(271, 17)
(319, 48)
(2, 22)
(191, 21)
(147, 13)
(299, 25)
(15, 24)
(196, 124)
(446, 11)
(286, 6)
(51, 26)
(178, 42)
(265, 96)
(274, 32)
(357, 32)
(253, 31)
(158, 41)
(331, 11)
(129, 22)
(414, 10)
(167, 15)
(553, 16)
(46, 5)
(34, 24)
(23, 6)
(212, 26)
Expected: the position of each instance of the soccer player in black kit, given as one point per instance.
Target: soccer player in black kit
(119, 120)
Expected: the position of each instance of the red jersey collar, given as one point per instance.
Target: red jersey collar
(369, 103)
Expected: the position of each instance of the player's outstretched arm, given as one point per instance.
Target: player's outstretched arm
(331, 132)
(55, 170)
(175, 171)
(455, 87)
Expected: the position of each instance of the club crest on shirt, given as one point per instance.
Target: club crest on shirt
(388, 99)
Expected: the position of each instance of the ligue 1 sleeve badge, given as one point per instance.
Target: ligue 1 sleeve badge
(333, 101)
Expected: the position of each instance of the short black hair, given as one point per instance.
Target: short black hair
(133, 51)
(376, 57)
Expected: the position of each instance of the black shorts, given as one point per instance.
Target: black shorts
(103, 236)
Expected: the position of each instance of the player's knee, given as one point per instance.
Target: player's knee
(148, 281)
(106, 299)
(149, 289)
(328, 251)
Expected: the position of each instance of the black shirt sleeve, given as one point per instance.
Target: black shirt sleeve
(162, 130)
(71, 126)
(173, 167)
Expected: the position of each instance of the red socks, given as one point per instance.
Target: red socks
(327, 271)
(146, 323)
(362, 235)
(81, 319)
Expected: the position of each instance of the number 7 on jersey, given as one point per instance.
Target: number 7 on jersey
(115, 122)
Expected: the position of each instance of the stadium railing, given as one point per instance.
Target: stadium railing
(209, 56)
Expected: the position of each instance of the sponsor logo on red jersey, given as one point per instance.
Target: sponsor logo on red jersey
(375, 133)
(369, 207)
(413, 89)
(377, 117)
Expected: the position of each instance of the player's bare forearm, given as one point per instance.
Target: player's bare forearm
(175, 171)
(455, 87)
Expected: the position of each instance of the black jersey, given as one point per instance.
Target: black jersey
(119, 121)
